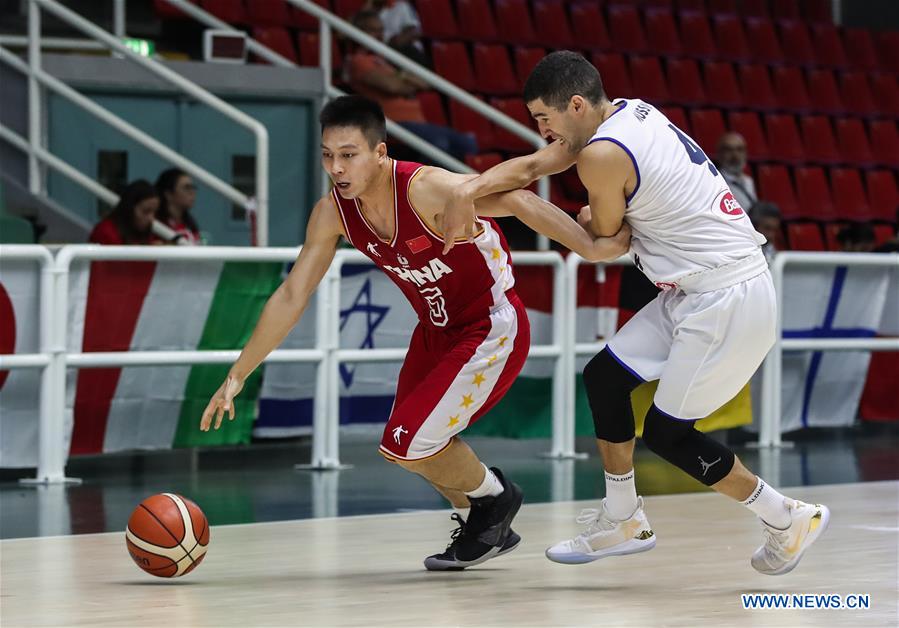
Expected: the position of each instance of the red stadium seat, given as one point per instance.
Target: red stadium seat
(684, 82)
(625, 29)
(783, 138)
(615, 78)
(747, 124)
(589, 26)
(828, 46)
(849, 195)
(493, 70)
(662, 32)
(730, 38)
(483, 161)
(305, 21)
(348, 8)
(432, 106)
(505, 140)
(886, 92)
(555, 31)
(804, 236)
(309, 50)
(755, 83)
(860, 49)
(722, 7)
(696, 35)
(796, 43)
(452, 63)
(438, 21)
(763, 40)
(269, 13)
(231, 11)
(465, 120)
(817, 11)
(815, 200)
(513, 17)
(774, 185)
(857, 94)
(887, 45)
(853, 142)
(883, 234)
(882, 193)
(823, 92)
(278, 39)
(166, 11)
(789, 85)
(691, 5)
(754, 8)
(708, 127)
(678, 118)
(648, 79)
(525, 60)
(885, 142)
(786, 9)
(817, 136)
(721, 84)
(476, 21)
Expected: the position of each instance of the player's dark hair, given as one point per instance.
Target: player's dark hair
(359, 112)
(561, 75)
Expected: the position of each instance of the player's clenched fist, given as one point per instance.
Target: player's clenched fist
(222, 401)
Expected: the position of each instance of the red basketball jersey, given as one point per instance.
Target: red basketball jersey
(450, 290)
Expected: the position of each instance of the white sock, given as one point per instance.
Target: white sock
(491, 486)
(769, 505)
(462, 512)
(621, 495)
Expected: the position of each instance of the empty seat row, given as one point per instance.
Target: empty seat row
(808, 236)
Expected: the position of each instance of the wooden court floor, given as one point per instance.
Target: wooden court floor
(366, 571)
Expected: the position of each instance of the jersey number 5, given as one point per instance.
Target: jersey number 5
(693, 151)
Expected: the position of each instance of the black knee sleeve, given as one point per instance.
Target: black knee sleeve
(681, 444)
(609, 387)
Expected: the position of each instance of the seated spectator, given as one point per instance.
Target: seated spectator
(731, 161)
(131, 220)
(402, 28)
(765, 218)
(177, 194)
(858, 237)
(371, 76)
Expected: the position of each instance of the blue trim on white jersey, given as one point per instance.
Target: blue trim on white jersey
(627, 201)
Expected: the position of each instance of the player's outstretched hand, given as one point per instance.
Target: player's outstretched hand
(222, 401)
(458, 219)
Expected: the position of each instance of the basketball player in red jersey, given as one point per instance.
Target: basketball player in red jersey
(473, 334)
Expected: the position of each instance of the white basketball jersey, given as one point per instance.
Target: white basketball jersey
(684, 217)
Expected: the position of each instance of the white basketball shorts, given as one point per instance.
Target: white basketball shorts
(702, 347)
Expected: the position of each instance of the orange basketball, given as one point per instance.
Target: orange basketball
(167, 535)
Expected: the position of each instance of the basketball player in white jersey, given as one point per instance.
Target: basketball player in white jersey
(702, 337)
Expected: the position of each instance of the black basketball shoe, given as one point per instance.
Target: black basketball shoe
(446, 560)
(488, 523)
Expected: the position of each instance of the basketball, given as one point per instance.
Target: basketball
(167, 535)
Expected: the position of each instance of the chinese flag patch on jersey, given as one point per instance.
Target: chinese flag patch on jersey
(419, 244)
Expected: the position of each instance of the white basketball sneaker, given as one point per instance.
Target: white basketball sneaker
(783, 548)
(605, 536)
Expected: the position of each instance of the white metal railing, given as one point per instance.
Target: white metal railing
(772, 369)
(55, 357)
(36, 77)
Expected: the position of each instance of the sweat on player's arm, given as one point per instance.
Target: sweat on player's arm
(282, 310)
(510, 175)
(434, 184)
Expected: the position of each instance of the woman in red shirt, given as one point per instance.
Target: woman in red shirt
(177, 194)
(131, 220)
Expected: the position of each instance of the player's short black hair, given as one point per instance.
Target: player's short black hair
(359, 112)
(559, 76)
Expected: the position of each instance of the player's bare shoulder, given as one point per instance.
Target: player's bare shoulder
(429, 190)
